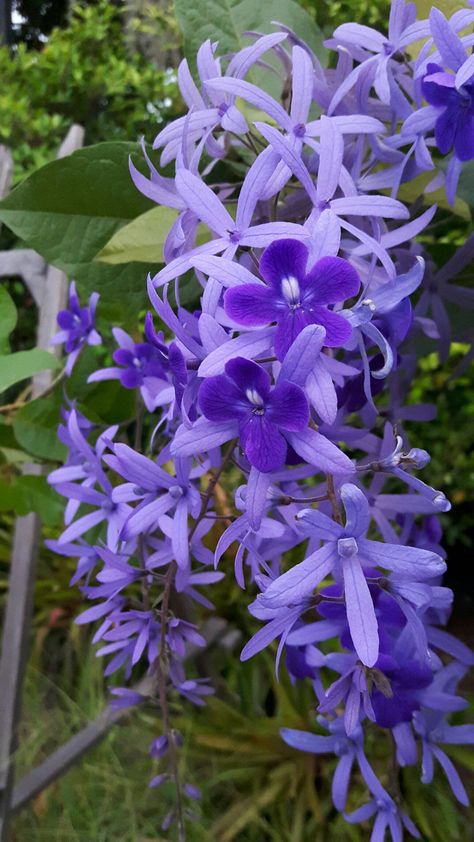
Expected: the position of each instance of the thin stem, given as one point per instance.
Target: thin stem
(289, 499)
(211, 486)
(161, 672)
(10, 407)
(161, 664)
(219, 517)
(336, 511)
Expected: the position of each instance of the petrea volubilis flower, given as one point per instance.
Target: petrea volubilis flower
(295, 297)
(77, 326)
(262, 414)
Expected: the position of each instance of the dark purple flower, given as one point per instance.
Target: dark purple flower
(455, 124)
(77, 326)
(244, 393)
(139, 366)
(295, 297)
(406, 680)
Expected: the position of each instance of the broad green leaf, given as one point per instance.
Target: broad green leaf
(69, 209)
(12, 498)
(41, 498)
(32, 494)
(124, 285)
(8, 317)
(23, 364)
(225, 21)
(35, 427)
(141, 240)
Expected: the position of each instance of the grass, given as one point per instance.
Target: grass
(255, 789)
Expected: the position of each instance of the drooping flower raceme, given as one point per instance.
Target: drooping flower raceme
(271, 412)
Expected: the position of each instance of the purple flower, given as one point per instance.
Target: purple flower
(77, 326)
(432, 728)
(139, 366)
(388, 816)
(455, 106)
(295, 297)
(158, 493)
(347, 749)
(209, 109)
(345, 554)
(244, 393)
(378, 56)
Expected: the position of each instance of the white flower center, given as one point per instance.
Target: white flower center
(253, 397)
(291, 290)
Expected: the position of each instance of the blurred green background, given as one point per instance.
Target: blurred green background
(108, 66)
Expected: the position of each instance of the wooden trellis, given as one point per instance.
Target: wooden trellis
(48, 286)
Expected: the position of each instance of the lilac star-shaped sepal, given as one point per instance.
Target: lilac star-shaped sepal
(295, 297)
(345, 554)
(455, 123)
(244, 393)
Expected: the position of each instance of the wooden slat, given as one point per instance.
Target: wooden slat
(6, 170)
(14, 650)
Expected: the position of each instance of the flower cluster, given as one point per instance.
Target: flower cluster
(298, 360)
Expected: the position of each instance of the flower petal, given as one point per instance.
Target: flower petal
(299, 582)
(356, 508)
(248, 375)
(445, 129)
(288, 407)
(360, 611)
(411, 561)
(262, 442)
(290, 324)
(331, 279)
(306, 741)
(320, 452)
(251, 304)
(220, 399)
(283, 259)
(202, 437)
(338, 329)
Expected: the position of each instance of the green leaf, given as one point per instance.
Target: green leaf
(225, 21)
(69, 209)
(8, 317)
(141, 240)
(23, 364)
(124, 285)
(35, 427)
(41, 498)
(12, 498)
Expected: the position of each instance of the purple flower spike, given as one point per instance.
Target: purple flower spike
(243, 393)
(294, 297)
(455, 123)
